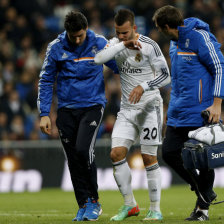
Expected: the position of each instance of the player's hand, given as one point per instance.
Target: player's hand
(45, 125)
(215, 111)
(132, 44)
(136, 94)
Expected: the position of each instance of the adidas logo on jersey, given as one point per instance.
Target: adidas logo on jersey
(64, 55)
(93, 123)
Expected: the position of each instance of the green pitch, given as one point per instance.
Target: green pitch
(55, 206)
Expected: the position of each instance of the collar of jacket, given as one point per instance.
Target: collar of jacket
(190, 24)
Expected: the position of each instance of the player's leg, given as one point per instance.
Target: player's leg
(171, 149)
(206, 181)
(88, 128)
(67, 125)
(171, 153)
(122, 138)
(153, 172)
(122, 173)
(150, 128)
(205, 195)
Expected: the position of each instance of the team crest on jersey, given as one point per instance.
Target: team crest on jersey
(138, 57)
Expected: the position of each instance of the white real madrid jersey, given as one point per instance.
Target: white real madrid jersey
(146, 67)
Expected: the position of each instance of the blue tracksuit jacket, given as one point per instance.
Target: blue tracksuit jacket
(197, 67)
(80, 82)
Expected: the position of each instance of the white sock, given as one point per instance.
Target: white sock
(204, 211)
(154, 186)
(122, 175)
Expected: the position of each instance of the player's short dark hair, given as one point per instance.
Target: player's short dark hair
(168, 15)
(124, 15)
(75, 21)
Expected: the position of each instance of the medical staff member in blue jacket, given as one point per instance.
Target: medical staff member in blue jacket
(197, 82)
(81, 101)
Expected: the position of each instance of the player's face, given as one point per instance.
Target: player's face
(77, 38)
(126, 31)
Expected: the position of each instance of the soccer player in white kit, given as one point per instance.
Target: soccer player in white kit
(143, 69)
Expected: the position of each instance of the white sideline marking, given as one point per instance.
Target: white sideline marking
(32, 211)
(23, 214)
(38, 213)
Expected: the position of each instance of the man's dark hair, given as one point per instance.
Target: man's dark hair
(168, 15)
(124, 15)
(75, 21)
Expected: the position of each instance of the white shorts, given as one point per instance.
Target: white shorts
(138, 123)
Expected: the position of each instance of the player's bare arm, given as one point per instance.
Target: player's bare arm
(136, 94)
(45, 125)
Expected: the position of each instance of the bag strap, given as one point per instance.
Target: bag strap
(218, 202)
(213, 132)
(194, 157)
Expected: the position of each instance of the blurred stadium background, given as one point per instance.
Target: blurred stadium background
(29, 160)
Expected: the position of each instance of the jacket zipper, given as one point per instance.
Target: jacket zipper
(200, 91)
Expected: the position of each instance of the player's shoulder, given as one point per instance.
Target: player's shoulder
(96, 40)
(100, 37)
(57, 43)
(149, 44)
(146, 40)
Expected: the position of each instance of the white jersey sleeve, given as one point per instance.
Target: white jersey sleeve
(158, 64)
(111, 49)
